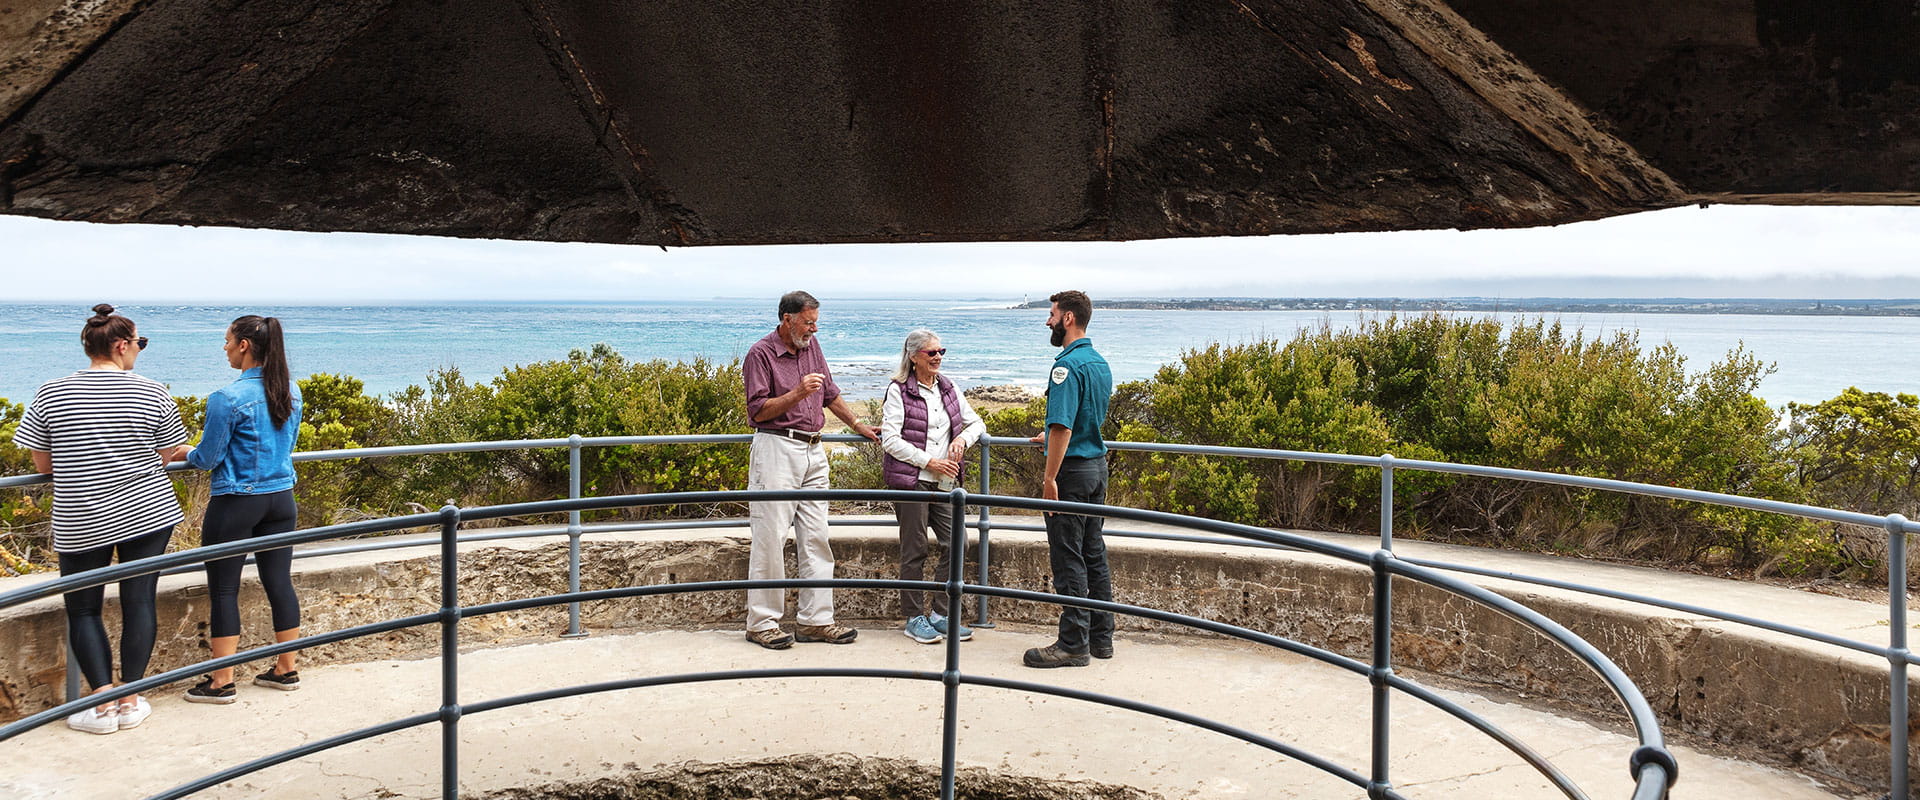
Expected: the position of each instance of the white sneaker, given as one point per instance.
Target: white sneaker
(132, 717)
(92, 721)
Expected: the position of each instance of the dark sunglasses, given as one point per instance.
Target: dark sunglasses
(141, 342)
(931, 353)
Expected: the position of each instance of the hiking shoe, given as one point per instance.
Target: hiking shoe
(285, 682)
(922, 631)
(206, 692)
(771, 638)
(964, 633)
(829, 633)
(1053, 656)
(96, 722)
(132, 715)
(1101, 650)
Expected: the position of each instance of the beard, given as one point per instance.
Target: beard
(800, 341)
(1059, 335)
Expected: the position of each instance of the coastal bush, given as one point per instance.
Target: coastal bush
(337, 414)
(1859, 451)
(594, 392)
(1527, 394)
(26, 531)
(1530, 396)
(1266, 395)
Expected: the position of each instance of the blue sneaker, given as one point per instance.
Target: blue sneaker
(922, 631)
(940, 624)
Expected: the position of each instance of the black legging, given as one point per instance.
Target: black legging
(231, 518)
(88, 635)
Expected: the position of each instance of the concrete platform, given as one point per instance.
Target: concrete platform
(577, 739)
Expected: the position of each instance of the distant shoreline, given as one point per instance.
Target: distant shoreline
(1527, 305)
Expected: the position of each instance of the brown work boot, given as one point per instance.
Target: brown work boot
(1053, 656)
(771, 638)
(831, 634)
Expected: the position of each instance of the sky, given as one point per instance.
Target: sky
(1718, 251)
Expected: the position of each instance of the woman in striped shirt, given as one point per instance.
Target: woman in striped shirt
(105, 434)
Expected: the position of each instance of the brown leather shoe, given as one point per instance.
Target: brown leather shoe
(831, 634)
(771, 638)
(1052, 656)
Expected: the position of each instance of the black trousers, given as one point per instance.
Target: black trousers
(231, 518)
(139, 622)
(1078, 555)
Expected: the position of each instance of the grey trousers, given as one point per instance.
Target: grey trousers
(913, 519)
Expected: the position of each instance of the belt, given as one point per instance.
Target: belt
(810, 437)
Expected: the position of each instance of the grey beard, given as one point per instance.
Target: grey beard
(800, 342)
(1059, 335)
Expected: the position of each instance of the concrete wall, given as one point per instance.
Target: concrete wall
(1817, 708)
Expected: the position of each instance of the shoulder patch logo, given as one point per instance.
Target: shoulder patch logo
(1059, 375)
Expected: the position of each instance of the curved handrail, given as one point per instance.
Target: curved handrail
(1896, 526)
(1650, 774)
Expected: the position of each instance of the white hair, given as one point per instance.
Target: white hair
(916, 339)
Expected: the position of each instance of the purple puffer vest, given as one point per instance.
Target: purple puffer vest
(913, 428)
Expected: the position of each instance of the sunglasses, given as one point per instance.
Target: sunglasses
(140, 342)
(931, 353)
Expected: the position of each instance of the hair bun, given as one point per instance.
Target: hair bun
(102, 310)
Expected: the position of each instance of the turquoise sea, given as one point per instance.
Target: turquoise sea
(393, 346)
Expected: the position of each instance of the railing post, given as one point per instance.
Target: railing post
(450, 652)
(1386, 502)
(986, 487)
(573, 538)
(956, 576)
(1897, 699)
(1380, 784)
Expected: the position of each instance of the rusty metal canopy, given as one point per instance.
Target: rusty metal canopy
(726, 122)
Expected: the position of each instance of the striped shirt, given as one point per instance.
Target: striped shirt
(102, 428)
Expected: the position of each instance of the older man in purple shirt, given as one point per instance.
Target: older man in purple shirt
(788, 388)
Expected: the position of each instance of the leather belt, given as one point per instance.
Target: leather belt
(810, 437)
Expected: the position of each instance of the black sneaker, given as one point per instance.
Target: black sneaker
(1053, 656)
(206, 692)
(285, 682)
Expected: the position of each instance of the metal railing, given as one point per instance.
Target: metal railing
(1896, 651)
(1652, 766)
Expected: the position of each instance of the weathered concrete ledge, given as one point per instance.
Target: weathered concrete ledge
(806, 777)
(1817, 708)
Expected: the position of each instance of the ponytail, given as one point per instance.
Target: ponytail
(262, 335)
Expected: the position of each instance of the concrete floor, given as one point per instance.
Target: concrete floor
(1318, 708)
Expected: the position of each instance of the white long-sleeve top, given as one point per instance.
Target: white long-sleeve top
(893, 415)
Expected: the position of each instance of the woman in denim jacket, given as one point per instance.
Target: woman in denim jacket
(251, 428)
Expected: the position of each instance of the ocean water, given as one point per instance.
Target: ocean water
(390, 347)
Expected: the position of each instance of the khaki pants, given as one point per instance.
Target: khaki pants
(782, 463)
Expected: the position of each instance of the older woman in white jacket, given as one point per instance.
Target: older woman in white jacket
(925, 429)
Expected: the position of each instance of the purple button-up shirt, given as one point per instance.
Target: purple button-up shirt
(771, 370)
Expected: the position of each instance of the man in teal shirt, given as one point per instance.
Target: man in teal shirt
(1078, 387)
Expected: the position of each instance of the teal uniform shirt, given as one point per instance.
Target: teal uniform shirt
(1078, 388)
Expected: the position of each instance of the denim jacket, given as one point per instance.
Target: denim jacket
(246, 453)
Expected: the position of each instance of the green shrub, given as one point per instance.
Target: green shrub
(591, 393)
(26, 532)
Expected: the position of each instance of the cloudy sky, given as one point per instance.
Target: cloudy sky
(1722, 251)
